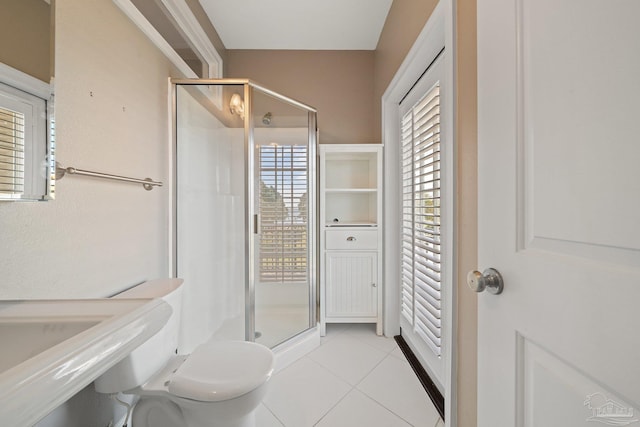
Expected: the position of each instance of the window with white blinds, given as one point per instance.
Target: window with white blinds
(26, 153)
(283, 213)
(12, 147)
(421, 238)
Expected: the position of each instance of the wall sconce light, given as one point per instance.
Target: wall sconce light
(236, 105)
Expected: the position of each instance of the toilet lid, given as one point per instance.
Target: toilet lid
(222, 370)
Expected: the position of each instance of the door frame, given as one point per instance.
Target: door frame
(438, 33)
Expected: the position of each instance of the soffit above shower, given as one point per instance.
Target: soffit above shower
(298, 24)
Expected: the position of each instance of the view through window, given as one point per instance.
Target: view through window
(283, 213)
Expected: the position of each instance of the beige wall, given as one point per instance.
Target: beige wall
(345, 86)
(339, 84)
(25, 35)
(405, 21)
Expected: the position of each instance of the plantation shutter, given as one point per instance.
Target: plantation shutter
(12, 146)
(407, 217)
(421, 239)
(283, 213)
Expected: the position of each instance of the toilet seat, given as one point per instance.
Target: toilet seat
(224, 370)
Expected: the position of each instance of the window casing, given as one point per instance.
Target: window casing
(25, 148)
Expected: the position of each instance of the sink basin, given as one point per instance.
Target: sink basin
(51, 349)
(30, 338)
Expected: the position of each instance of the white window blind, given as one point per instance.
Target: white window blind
(421, 238)
(12, 146)
(283, 213)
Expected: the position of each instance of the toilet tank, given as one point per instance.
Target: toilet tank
(151, 356)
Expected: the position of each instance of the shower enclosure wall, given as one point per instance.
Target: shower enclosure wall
(244, 214)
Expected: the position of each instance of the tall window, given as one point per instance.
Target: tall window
(283, 213)
(421, 237)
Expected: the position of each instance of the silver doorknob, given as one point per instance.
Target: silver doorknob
(490, 279)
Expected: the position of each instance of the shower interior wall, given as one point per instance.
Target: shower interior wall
(210, 193)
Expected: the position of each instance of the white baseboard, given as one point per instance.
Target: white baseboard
(296, 347)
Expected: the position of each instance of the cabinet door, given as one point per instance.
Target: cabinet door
(351, 284)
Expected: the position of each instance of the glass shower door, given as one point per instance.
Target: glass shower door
(283, 180)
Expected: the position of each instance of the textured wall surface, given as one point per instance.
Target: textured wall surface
(111, 106)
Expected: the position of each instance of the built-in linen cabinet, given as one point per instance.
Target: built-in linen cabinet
(351, 234)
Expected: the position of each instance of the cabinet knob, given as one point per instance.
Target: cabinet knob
(373, 284)
(351, 239)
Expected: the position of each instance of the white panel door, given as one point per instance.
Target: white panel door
(559, 212)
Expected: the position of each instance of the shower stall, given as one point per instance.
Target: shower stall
(244, 225)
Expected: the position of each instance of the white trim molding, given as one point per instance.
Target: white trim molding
(25, 82)
(438, 33)
(188, 25)
(192, 31)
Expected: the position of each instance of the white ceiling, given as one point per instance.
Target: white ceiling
(298, 24)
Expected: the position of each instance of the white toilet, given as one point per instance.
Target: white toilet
(220, 384)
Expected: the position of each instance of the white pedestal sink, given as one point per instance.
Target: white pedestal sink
(51, 349)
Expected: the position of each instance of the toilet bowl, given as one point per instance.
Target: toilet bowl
(220, 383)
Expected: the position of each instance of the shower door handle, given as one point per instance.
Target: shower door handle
(256, 224)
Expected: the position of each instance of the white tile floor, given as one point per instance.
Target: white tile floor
(354, 379)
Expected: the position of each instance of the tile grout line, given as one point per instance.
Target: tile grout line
(353, 386)
(275, 416)
(306, 357)
(372, 369)
(377, 348)
(334, 406)
(386, 354)
(387, 409)
(373, 399)
(335, 376)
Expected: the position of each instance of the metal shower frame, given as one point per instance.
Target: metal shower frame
(250, 200)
